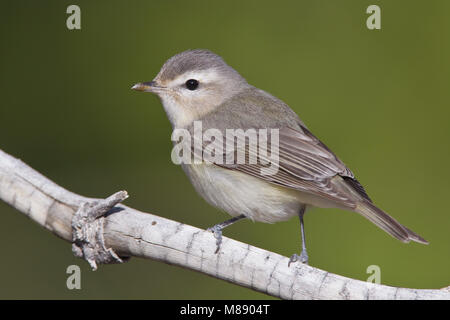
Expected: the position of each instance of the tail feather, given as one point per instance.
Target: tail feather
(387, 223)
(415, 237)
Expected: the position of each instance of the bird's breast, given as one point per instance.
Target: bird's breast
(237, 193)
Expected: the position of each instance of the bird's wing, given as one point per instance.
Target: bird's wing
(304, 163)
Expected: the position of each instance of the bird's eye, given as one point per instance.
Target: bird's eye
(192, 84)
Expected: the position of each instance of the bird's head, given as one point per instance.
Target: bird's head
(192, 84)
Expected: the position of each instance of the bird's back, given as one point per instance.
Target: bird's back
(252, 108)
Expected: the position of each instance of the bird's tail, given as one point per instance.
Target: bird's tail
(387, 223)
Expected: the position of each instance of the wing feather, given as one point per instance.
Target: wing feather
(304, 164)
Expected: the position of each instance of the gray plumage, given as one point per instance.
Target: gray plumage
(193, 60)
(309, 173)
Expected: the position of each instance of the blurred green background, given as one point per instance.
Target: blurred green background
(379, 99)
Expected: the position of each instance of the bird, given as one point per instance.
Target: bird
(198, 86)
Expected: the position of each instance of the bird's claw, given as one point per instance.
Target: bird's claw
(303, 258)
(217, 232)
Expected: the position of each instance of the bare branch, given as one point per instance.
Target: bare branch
(133, 233)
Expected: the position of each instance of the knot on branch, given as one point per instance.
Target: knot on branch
(87, 231)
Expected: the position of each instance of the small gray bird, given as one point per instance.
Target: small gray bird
(197, 85)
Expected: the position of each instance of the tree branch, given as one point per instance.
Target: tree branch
(133, 233)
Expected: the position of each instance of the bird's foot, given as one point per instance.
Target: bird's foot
(303, 258)
(217, 232)
(87, 231)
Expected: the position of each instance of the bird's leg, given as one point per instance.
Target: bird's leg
(303, 257)
(217, 229)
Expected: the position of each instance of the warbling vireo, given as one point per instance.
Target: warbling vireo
(197, 85)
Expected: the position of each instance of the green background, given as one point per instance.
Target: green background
(379, 99)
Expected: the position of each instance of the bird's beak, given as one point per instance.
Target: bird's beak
(147, 86)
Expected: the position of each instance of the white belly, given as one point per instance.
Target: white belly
(237, 193)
